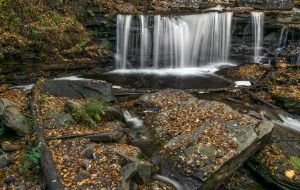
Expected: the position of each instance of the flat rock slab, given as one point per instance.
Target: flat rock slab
(78, 89)
(204, 142)
(273, 162)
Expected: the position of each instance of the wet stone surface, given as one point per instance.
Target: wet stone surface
(204, 142)
(273, 162)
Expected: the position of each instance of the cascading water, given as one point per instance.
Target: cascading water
(123, 30)
(258, 22)
(289, 42)
(173, 42)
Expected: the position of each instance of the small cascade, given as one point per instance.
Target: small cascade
(172, 42)
(283, 38)
(258, 28)
(289, 44)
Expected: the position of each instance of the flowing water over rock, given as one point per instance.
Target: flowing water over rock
(173, 41)
(258, 22)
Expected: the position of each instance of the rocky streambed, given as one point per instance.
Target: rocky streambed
(198, 143)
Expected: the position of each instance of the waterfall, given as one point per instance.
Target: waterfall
(258, 22)
(123, 29)
(173, 42)
(144, 40)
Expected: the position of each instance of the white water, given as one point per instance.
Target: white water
(176, 184)
(283, 43)
(123, 29)
(289, 122)
(258, 22)
(145, 38)
(136, 122)
(207, 69)
(173, 42)
(216, 8)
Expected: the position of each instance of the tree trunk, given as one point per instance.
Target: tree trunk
(47, 162)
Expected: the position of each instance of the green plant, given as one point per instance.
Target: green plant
(295, 161)
(90, 113)
(81, 44)
(94, 109)
(81, 116)
(30, 161)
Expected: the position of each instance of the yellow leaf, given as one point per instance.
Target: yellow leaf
(290, 173)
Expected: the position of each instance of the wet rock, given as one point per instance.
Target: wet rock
(113, 113)
(273, 162)
(5, 159)
(250, 72)
(12, 118)
(9, 179)
(77, 89)
(204, 142)
(290, 104)
(58, 120)
(8, 147)
(110, 137)
(135, 168)
(266, 4)
(140, 171)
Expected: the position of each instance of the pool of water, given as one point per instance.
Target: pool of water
(188, 78)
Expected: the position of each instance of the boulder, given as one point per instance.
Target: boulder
(12, 118)
(267, 4)
(78, 89)
(58, 120)
(5, 159)
(137, 169)
(113, 113)
(203, 142)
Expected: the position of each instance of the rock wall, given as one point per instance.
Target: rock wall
(267, 4)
